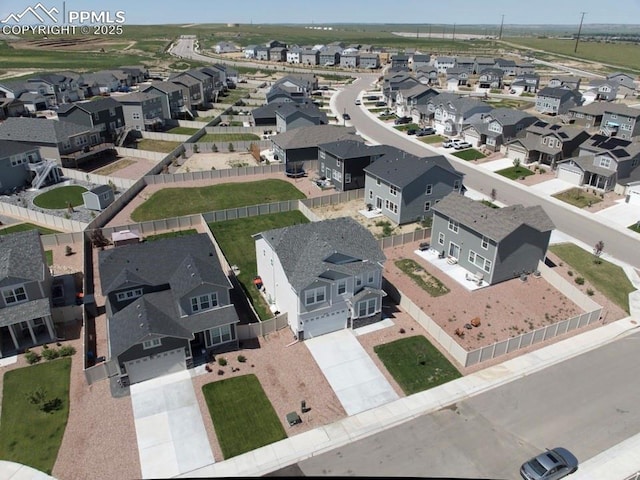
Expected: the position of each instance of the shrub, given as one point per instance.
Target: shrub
(67, 351)
(68, 251)
(230, 147)
(570, 273)
(222, 361)
(32, 357)
(50, 353)
(220, 372)
(590, 292)
(579, 280)
(242, 358)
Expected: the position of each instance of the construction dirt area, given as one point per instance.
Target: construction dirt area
(199, 162)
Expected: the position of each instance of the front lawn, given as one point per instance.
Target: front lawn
(172, 234)
(515, 173)
(228, 137)
(407, 126)
(234, 238)
(578, 197)
(605, 276)
(470, 154)
(416, 364)
(49, 256)
(242, 415)
(635, 227)
(162, 146)
(58, 198)
(424, 279)
(175, 202)
(27, 434)
(183, 130)
(432, 139)
(23, 227)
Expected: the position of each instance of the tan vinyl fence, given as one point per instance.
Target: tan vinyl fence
(213, 174)
(260, 329)
(138, 153)
(57, 239)
(53, 221)
(169, 137)
(193, 124)
(122, 183)
(239, 118)
(403, 238)
(222, 146)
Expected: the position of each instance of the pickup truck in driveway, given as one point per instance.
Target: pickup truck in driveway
(402, 120)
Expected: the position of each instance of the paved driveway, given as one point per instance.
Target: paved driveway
(551, 187)
(171, 436)
(496, 165)
(355, 379)
(623, 214)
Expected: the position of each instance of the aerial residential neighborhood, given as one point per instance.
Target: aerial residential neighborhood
(246, 249)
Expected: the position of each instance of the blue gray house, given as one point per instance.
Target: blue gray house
(405, 187)
(295, 115)
(557, 100)
(105, 115)
(343, 162)
(164, 315)
(21, 165)
(495, 244)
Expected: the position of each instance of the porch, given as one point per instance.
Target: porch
(17, 337)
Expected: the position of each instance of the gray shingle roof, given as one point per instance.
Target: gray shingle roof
(303, 249)
(100, 189)
(494, 223)
(314, 135)
(21, 258)
(269, 110)
(346, 149)
(621, 109)
(558, 92)
(184, 80)
(165, 87)
(586, 164)
(289, 108)
(509, 116)
(25, 311)
(400, 168)
(9, 148)
(593, 108)
(39, 130)
(140, 262)
(137, 97)
(92, 106)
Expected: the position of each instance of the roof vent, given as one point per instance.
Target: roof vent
(193, 274)
(140, 316)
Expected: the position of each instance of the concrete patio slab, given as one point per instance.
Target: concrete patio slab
(171, 436)
(454, 271)
(496, 165)
(355, 379)
(551, 187)
(622, 214)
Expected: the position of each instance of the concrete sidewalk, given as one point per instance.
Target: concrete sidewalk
(291, 450)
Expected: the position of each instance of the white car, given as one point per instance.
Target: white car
(462, 145)
(358, 102)
(451, 143)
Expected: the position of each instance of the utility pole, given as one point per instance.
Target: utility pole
(429, 30)
(417, 32)
(454, 33)
(501, 25)
(579, 31)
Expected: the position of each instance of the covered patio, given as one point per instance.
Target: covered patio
(25, 325)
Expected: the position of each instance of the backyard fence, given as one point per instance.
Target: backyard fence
(213, 174)
(53, 221)
(138, 153)
(334, 198)
(235, 129)
(57, 239)
(153, 226)
(123, 183)
(260, 329)
(169, 137)
(404, 238)
(118, 204)
(192, 123)
(223, 146)
(251, 211)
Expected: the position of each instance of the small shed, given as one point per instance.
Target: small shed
(98, 198)
(125, 237)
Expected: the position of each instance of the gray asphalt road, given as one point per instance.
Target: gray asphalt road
(585, 227)
(587, 404)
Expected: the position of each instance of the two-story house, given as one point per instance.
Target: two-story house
(32, 101)
(395, 81)
(621, 121)
(144, 111)
(496, 244)
(309, 57)
(350, 60)
(525, 68)
(427, 75)
(508, 67)
(420, 60)
(249, 51)
(295, 115)
(601, 90)
(490, 78)
(176, 96)
(601, 162)
(400, 63)
(278, 54)
(225, 47)
(557, 101)
(457, 77)
(343, 162)
(525, 82)
(443, 63)
(546, 144)
(465, 64)
(263, 53)
(21, 165)
(294, 55)
(407, 100)
(497, 127)
(105, 115)
(194, 89)
(161, 315)
(370, 61)
(65, 142)
(452, 114)
(25, 293)
(483, 62)
(100, 83)
(404, 187)
(57, 88)
(589, 115)
(330, 56)
(567, 81)
(326, 276)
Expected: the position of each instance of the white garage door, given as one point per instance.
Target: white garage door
(326, 323)
(514, 154)
(472, 139)
(154, 366)
(569, 176)
(634, 195)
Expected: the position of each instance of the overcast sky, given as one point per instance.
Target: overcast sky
(353, 11)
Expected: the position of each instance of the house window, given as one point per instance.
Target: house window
(370, 194)
(479, 261)
(313, 296)
(441, 238)
(147, 344)
(371, 278)
(614, 116)
(339, 163)
(337, 175)
(428, 190)
(322, 168)
(17, 161)
(342, 287)
(358, 281)
(605, 162)
(135, 115)
(347, 178)
(377, 181)
(487, 266)
(204, 302)
(456, 185)
(393, 190)
(129, 294)
(14, 295)
(485, 242)
(218, 335)
(453, 226)
(367, 307)
(427, 206)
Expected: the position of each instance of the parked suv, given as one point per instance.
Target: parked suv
(451, 143)
(402, 120)
(425, 131)
(462, 145)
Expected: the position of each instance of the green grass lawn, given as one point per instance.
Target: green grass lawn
(183, 130)
(233, 96)
(605, 276)
(635, 227)
(514, 173)
(172, 234)
(578, 197)
(228, 137)
(469, 154)
(242, 415)
(424, 279)
(432, 139)
(386, 117)
(49, 256)
(407, 126)
(517, 104)
(60, 197)
(416, 364)
(162, 146)
(23, 227)
(27, 434)
(234, 238)
(489, 204)
(175, 202)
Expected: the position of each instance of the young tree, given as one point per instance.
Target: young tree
(493, 194)
(597, 251)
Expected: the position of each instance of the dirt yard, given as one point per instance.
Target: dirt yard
(199, 162)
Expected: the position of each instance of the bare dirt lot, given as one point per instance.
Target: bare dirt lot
(126, 167)
(199, 162)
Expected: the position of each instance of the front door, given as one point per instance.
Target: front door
(379, 203)
(454, 250)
